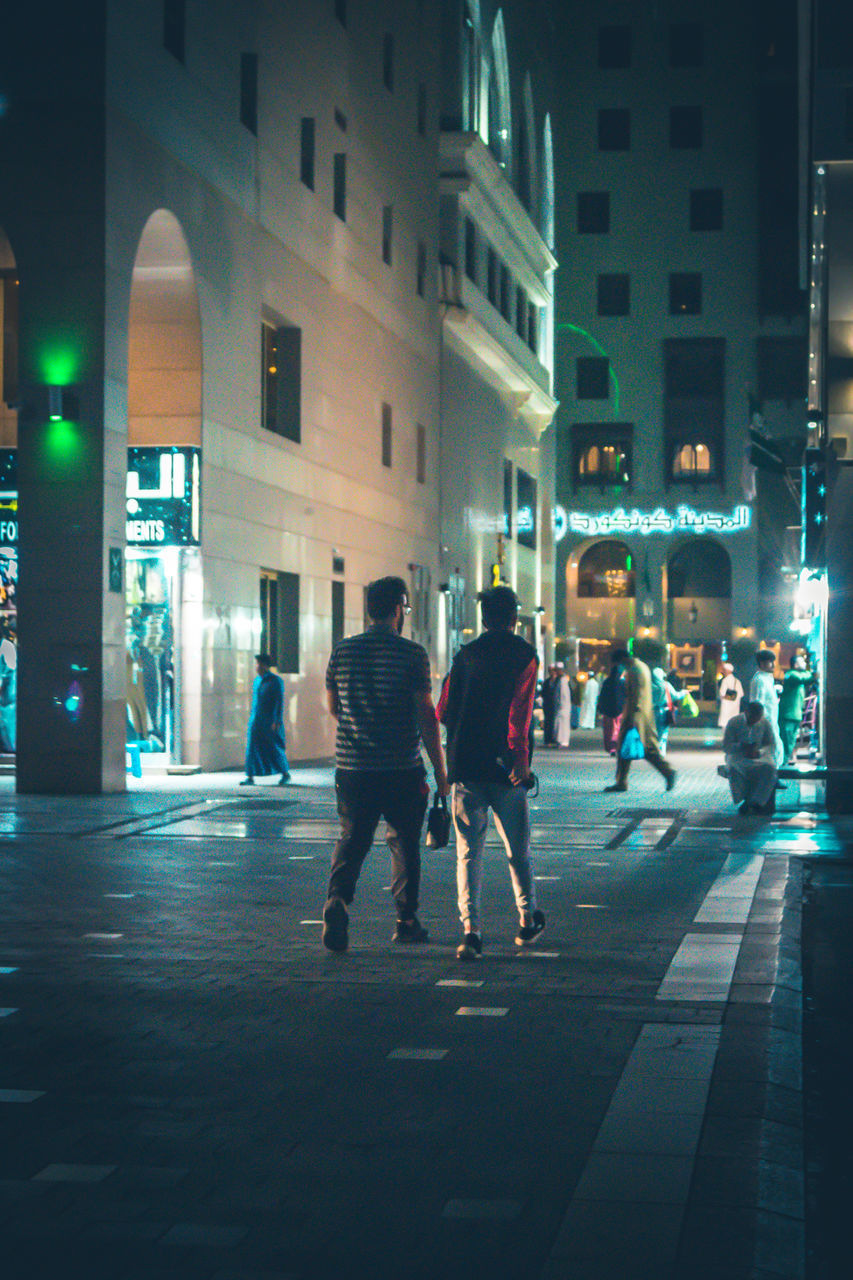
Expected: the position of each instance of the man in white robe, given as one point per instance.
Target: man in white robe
(762, 688)
(749, 745)
(589, 702)
(562, 707)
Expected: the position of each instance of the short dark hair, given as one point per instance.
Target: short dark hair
(766, 655)
(264, 658)
(619, 657)
(753, 709)
(499, 607)
(383, 596)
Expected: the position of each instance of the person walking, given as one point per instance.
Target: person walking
(265, 750)
(664, 701)
(378, 689)
(589, 701)
(638, 714)
(563, 708)
(749, 744)
(486, 707)
(730, 694)
(611, 701)
(762, 688)
(791, 702)
(550, 688)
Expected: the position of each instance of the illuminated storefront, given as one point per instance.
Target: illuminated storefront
(8, 599)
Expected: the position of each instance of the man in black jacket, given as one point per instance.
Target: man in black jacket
(487, 707)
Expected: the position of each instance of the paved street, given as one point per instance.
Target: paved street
(190, 1086)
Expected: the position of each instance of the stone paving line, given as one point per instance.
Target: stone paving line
(636, 1184)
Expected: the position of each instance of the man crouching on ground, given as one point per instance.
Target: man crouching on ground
(487, 706)
(378, 689)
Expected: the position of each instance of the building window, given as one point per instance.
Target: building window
(174, 28)
(249, 91)
(685, 294)
(602, 454)
(281, 383)
(492, 277)
(339, 195)
(693, 462)
(420, 282)
(279, 606)
(614, 294)
(422, 110)
(525, 515)
(341, 12)
(520, 312)
(387, 233)
(508, 486)
(506, 294)
(340, 120)
(306, 152)
(533, 328)
(386, 435)
(593, 212)
(614, 47)
(685, 128)
(782, 368)
(470, 250)
(706, 209)
(686, 45)
(606, 571)
(388, 62)
(338, 597)
(9, 335)
(593, 377)
(420, 453)
(614, 129)
(694, 403)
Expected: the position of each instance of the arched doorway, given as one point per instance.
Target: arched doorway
(699, 607)
(164, 398)
(600, 591)
(8, 495)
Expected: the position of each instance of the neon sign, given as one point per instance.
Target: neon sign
(684, 520)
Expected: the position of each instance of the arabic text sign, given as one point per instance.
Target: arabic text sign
(684, 520)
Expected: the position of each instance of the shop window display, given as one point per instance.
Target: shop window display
(150, 655)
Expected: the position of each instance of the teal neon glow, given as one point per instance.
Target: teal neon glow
(684, 520)
(575, 328)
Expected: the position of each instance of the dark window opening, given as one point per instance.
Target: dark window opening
(525, 513)
(388, 62)
(602, 455)
(593, 377)
(782, 368)
(706, 209)
(279, 607)
(306, 152)
(387, 233)
(249, 91)
(520, 312)
(614, 129)
(340, 120)
(593, 212)
(338, 595)
(470, 250)
(420, 453)
(386, 435)
(281, 382)
(9, 352)
(685, 294)
(493, 277)
(694, 400)
(508, 526)
(420, 282)
(685, 128)
(614, 294)
(614, 47)
(339, 194)
(341, 12)
(533, 328)
(505, 293)
(174, 28)
(686, 45)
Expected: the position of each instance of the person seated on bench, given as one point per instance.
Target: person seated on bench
(749, 744)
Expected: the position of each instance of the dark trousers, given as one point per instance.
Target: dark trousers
(364, 796)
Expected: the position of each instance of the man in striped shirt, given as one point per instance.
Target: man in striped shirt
(378, 689)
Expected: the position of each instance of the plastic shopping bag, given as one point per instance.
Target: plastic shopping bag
(632, 746)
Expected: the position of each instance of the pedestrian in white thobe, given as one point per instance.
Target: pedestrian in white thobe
(749, 746)
(762, 688)
(589, 702)
(562, 708)
(730, 693)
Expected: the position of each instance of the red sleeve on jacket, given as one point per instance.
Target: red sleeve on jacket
(521, 712)
(442, 701)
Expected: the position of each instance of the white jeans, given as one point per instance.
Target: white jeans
(471, 804)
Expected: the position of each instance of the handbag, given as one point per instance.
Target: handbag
(632, 746)
(438, 823)
(689, 707)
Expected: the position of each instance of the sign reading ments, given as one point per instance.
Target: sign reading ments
(163, 497)
(684, 520)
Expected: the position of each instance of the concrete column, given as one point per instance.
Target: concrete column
(52, 198)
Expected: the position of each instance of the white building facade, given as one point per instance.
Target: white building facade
(245, 316)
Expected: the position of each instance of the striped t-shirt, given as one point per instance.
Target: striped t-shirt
(375, 677)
